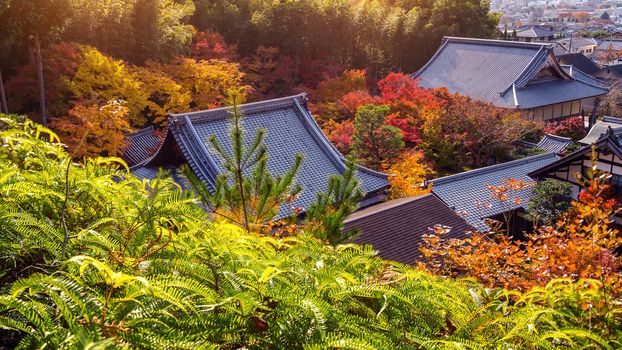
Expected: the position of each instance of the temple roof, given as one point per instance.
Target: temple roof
(396, 228)
(504, 73)
(554, 144)
(290, 130)
(580, 61)
(141, 145)
(600, 128)
(468, 195)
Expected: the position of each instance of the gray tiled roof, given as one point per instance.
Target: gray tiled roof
(396, 228)
(141, 145)
(468, 194)
(577, 42)
(290, 130)
(610, 44)
(600, 128)
(534, 32)
(581, 76)
(502, 73)
(554, 144)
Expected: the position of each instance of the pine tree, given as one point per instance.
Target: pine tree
(247, 194)
(326, 216)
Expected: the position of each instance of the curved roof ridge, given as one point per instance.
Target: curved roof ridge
(429, 62)
(521, 44)
(142, 131)
(557, 137)
(489, 169)
(379, 208)
(319, 136)
(246, 107)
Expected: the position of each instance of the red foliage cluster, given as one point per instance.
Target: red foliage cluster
(340, 134)
(573, 128)
(212, 45)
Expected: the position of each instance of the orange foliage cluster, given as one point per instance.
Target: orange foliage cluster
(90, 130)
(579, 246)
(83, 85)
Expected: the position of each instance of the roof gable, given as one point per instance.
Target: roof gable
(505, 73)
(609, 141)
(290, 130)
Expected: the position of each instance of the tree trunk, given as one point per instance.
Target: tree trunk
(4, 107)
(39, 65)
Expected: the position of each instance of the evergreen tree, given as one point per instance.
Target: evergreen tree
(375, 142)
(247, 194)
(325, 217)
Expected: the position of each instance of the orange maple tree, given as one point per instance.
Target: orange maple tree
(579, 246)
(92, 130)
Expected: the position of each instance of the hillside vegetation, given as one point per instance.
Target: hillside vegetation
(95, 258)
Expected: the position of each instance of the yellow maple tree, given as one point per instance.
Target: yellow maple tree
(409, 174)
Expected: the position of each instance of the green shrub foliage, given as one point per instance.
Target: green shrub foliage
(144, 268)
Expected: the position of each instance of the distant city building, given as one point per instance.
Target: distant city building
(535, 34)
(586, 46)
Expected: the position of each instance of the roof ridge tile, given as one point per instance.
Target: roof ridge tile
(488, 169)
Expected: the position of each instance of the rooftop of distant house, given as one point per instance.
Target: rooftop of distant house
(580, 61)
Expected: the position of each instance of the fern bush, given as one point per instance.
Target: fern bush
(94, 258)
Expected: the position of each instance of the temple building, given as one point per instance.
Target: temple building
(514, 75)
(604, 139)
(290, 130)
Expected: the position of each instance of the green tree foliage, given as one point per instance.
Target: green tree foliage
(381, 34)
(325, 217)
(144, 268)
(375, 142)
(551, 198)
(135, 30)
(246, 194)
